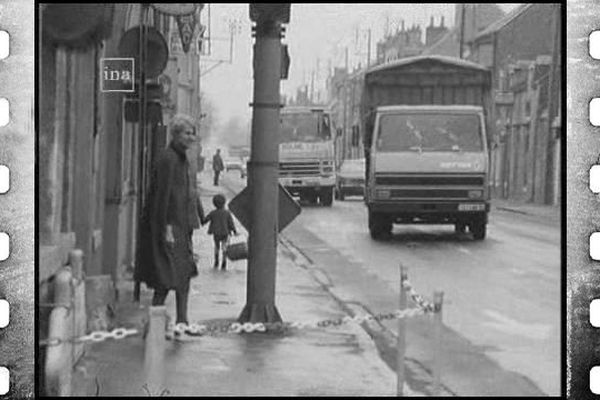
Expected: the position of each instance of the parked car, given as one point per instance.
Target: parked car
(350, 179)
(232, 163)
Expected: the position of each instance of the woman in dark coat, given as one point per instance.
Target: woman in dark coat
(165, 258)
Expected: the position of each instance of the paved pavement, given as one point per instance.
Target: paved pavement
(340, 360)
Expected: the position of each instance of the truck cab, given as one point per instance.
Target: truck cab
(429, 164)
(306, 157)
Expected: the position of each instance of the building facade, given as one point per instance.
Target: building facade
(523, 52)
(94, 160)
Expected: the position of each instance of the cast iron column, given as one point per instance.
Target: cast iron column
(263, 175)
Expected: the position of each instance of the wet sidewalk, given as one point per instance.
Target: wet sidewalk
(341, 360)
(548, 213)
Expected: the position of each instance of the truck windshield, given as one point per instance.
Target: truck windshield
(429, 132)
(305, 127)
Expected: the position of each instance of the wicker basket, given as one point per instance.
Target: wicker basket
(237, 251)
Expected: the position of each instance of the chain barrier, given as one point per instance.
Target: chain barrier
(96, 336)
(417, 298)
(195, 329)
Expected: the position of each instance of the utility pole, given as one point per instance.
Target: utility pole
(369, 49)
(345, 136)
(264, 163)
(312, 86)
(462, 31)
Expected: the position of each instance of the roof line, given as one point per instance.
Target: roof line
(502, 22)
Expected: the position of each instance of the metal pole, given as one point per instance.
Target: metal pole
(438, 299)
(401, 345)
(345, 133)
(369, 50)
(263, 176)
(462, 31)
(141, 125)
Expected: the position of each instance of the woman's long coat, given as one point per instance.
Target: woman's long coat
(171, 201)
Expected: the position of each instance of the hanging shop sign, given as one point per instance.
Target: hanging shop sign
(186, 25)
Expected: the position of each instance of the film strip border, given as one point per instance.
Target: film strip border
(594, 184)
(4, 188)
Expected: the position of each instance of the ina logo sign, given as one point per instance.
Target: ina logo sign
(117, 75)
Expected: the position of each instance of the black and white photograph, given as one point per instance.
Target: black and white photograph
(304, 199)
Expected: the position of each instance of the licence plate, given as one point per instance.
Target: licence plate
(471, 207)
(294, 182)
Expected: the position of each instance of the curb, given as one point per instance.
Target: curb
(514, 210)
(378, 332)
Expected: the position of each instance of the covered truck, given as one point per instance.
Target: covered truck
(424, 121)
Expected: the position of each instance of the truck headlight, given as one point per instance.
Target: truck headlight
(382, 194)
(475, 194)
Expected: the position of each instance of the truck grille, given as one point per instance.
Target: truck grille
(430, 180)
(430, 186)
(429, 193)
(299, 168)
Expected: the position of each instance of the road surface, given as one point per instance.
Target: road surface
(502, 296)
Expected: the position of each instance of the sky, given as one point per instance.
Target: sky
(316, 36)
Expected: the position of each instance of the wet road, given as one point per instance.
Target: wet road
(501, 295)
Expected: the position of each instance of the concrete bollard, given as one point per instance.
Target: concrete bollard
(401, 345)
(79, 310)
(438, 298)
(58, 368)
(154, 349)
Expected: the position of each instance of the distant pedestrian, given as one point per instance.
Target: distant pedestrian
(218, 166)
(165, 259)
(220, 226)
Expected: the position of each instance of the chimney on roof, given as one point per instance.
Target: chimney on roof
(431, 23)
(434, 33)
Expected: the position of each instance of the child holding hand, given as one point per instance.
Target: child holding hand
(220, 226)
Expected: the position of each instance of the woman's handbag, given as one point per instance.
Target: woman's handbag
(237, 249)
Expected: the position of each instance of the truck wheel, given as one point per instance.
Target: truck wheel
(379, 226)
(326, 198)
(479, 229)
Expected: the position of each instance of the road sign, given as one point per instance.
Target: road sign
(288, 208)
